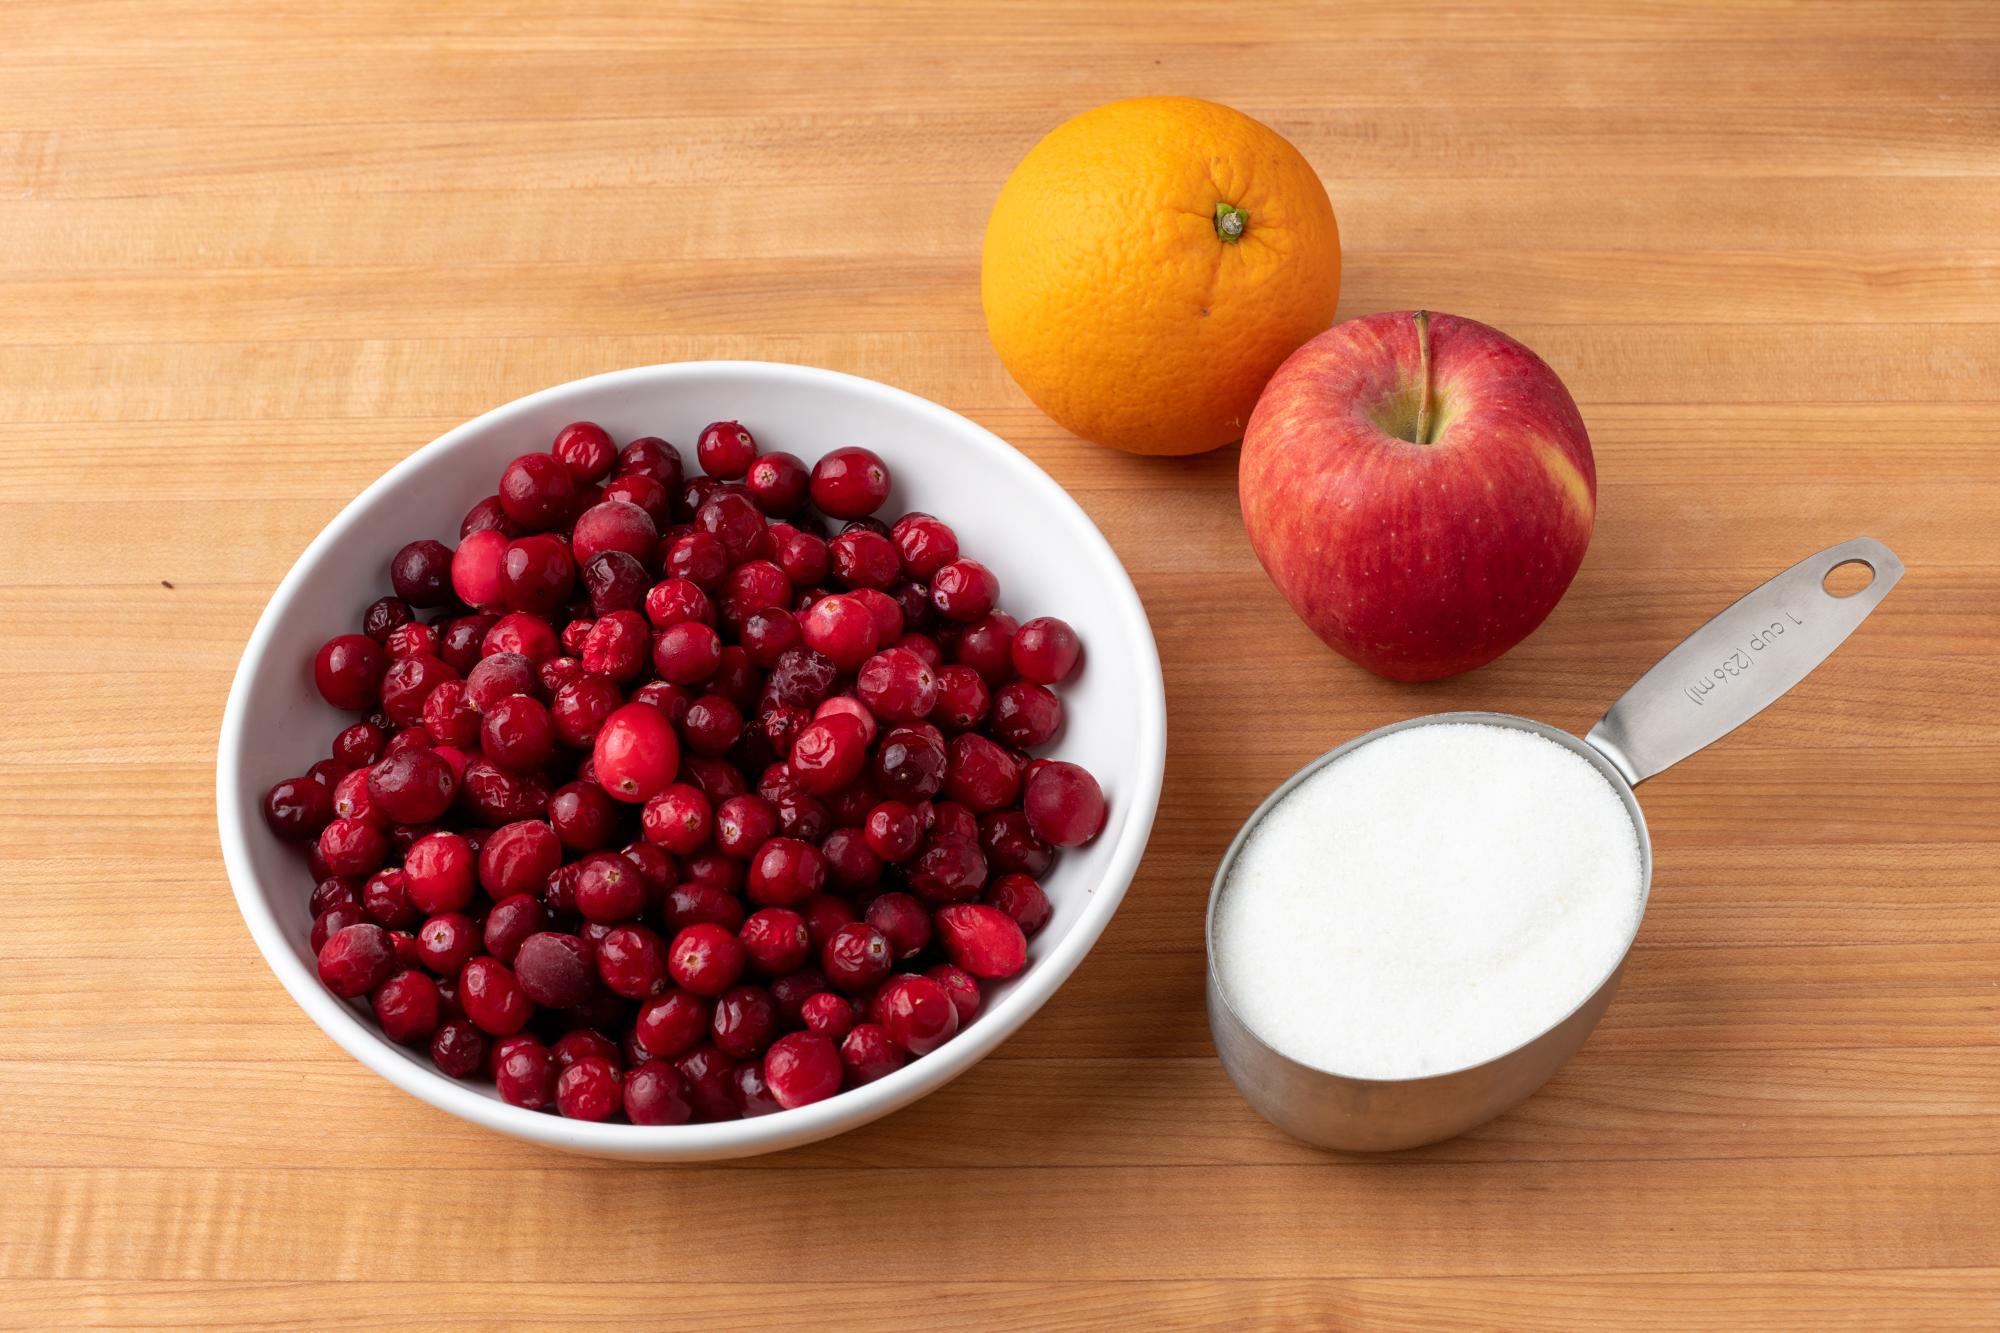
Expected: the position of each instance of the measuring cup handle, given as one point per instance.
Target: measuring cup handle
(1736, 666)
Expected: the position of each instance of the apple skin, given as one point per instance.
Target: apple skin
(1418, 561)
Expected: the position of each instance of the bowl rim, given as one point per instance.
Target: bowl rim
(734, 1138)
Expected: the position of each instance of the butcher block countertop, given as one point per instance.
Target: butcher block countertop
(252, 254)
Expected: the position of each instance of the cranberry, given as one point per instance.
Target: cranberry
(458, 1049)
(1010, 843)
(461, 642)
(348, 671)
(614, 526)
(414, 786)
(407, 683)
(916, 1013)
(776, 941)
(869, 1054)
(791, 991)
(961, 986)
(656, 1094)
(801, 556)
(583, 816)
(406, 1005)
(785, 871)
(712, 725)
(298, 808)
(849, 483)
(352, 847)
(802, 1068)
(608, 889)
(829, 754)
(842, 629)
(828, 1015)
(585, 448)
(678, 818)
(718, 779)
(478, 568)
(524, 1073)
(614, 581)
(777, 482)
(1021, 898)
(706, 959)
(753, 586)
(617, 646)
(651, 456)
(519, 632)
(713, 869)
(700, 558)
(330, 891)
(356, 959)
(582, 1044)
(384, 616)
(801, 678)
(537, 491)
(447, 942)
(849, 806)
(983, 940)
(863, 559)
(897, 686)
(590, 1089)
(632, 961)
(984, 646)
(903, 921)
(581, 707)
(488, 514)
(726, 450)
(1046, 651)
(980, 775)
(493, 997)
(657, 870)
(671, 1024)
(499, 797)
(744, 1022)
(421, 572)
(643, 491)
(856, 957)
(518, 858)
(361, 744)
(708, 1073)
(449, 716)
(537, 574)
(386, 900)
(924, 544)
(412, 640)
(497, 677)
(962, 700)
(893, 831)
(510, 921)
(824, 915)
(332, 921)
(850, 866)
(687, 653)
(964, 591)
(910, 763)
(636, 752)
(555, 969)
(948, 870)
(1064, 805)
(766, 634)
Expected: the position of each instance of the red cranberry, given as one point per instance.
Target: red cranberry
(656, 1094)
(964, 591)
(1010, 844)
(493, 997)
(581, 708)
(582, 1044)
(510, 921)
(802, 556)
(412, 787)
(590, 1089)
(478, 572)
(829, 754)
(980, 775)
(617, 646)
(916, 1013)
(948, 870)
(744, 1022)
(488, 514)
(777, 482)
(849, 483)
(1046, 651)
(824, 915)
(752, 1094)
(802, 1068)
(406, 1005)
(706, 959)
(863, 559)
(700, 558)
(893, 831)
(785, 871)
(332, 921)
(447, 942)
(708, 1073)
(856, 957)
(645, 492)
(352, 847)
(842, 629)
(712, 725)
(850, 866)
(657, 870)
(723, 877)
(498, 677)
(609, 890)
(537, 574)
(776, 941)
(458, 1049)
(963, 988)
(910, 762)
(678, 818)
(671, 1025)
(361, 744)
(524, 1073)
(767, 633)
(1021, 898)
(614, 526)
(897, 686)
(983, 940)
(687, 653)
(828, 1015)
(651, 456)
(386, 900)
(518, 858)
(449, 716)
(962, 700)
(950, 820)
(537, 492)
(636, 752)
(356, 959)
(407, 683)
(869, 1054)
(348, 671)
(298, 808)
(462, 640)
(585, 448)
(903, 921)
(753, 586)
(924, 544)
(330, 891)
(554, 970)
(632, 960)
(791, 992)
(726, 450)
(718, 779)
(412, 640)
(984, 646)
(583, 816)
(849, 807)
(1064, 804)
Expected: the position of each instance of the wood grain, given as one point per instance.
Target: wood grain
(251, 255)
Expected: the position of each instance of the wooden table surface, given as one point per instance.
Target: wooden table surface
(252, 254)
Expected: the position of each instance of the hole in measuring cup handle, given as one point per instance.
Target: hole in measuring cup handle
(1836, 583)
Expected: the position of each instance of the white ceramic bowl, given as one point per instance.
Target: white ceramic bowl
(1008, 513)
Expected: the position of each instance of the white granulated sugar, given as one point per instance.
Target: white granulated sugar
(1428, 901)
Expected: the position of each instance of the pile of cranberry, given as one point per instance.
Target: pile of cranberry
(690, 798)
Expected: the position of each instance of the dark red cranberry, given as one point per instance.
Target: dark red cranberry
(671, 1024)
(1026, 715)
(656, 1094)
(1046, 651)
(449, 716)
(712, 725)
(849, 807)
(651, 456)
(617, 646)
(406, 1005)
(863, 559)
(754, 585)
(961, 986)
(1021, 898)
(386, 900)
(984, 647)
(910, 762)
(868, 1054)
(496, 796)
(585, 448)
(803, 817)
(718, 779)
(897, 686)
(824, 915)
(745, 1020)
(791, 991)
(924, 544)
(893, 831)
(460, 644)
(656, 499)
(752, 1093)
(413, 786)
(352, 847)
(583, 816)
(348, 671)
(581, 707)
(636, 752)
(537, 492)
(583, 1044)
(298, 808)
(657, 870)
(330, 891)
(856, 957)
(726, 450)
(777, 482)
(1010, 844)
(447, 942)
(608, 889)
(706, 959)
(801, 556)
(421, 572)
(842, 629)
(801, 679)
(719, 872)
(356, 959)
(1064, 804)
(851, 867)
(407, 683)
(743, 824)
(914, 601)
(687, 653)
(486, 516)
(708, 1073)
(903, 921)
(916, 1013)
(332, 921)
(785, 871)
(524, 1073)
(498, 677)
(458, 1049)
(678, 818)
(964, 591)
(360, 745)
(632, 961)
(849, 483)
(510, 921)
(802, 1068)
(949, 819)
(948, 870)
(615, 581)
(700, 558)
(384, 616)
(776, 941)
(555, 969)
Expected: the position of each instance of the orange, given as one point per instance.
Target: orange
(1150, 263)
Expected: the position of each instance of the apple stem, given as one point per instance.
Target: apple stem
(1423, 318)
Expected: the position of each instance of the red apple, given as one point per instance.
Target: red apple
(1420, 488)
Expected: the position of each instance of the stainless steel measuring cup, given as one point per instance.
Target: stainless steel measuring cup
(1719, 677)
